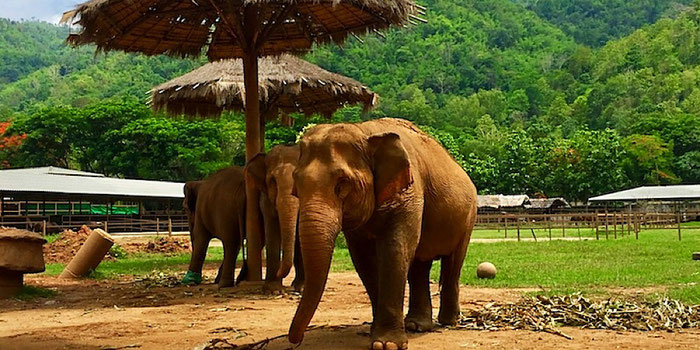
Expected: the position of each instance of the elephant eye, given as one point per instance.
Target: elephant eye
(343, 188)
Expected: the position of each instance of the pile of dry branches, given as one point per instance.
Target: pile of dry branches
(543, 313)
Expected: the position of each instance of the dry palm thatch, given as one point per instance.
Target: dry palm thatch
(185, 27)
(287, 84)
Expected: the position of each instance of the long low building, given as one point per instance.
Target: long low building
(652, 193)
(64, 183)
(59, 195)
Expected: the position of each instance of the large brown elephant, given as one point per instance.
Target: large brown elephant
(215, 208)
(272, 174)
(402, 202)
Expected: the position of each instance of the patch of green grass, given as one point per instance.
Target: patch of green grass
(689, 294)
(561, 267)
(52, 238)
(142, 264)
(32, 292)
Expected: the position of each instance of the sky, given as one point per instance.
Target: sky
(45, 10)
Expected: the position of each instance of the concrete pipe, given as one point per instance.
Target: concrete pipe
(90, 255)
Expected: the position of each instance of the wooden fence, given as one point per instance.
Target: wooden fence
(151, 224)
(604, 223)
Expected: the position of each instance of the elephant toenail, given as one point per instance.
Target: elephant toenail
(404, 346)
(377, 345)
(411, 326)
(391, 346)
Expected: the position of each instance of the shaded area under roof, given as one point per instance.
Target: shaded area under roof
(675, 192)
(65, 182)
(287, 84)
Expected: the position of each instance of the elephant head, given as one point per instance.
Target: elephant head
(343, 174)
(272, 175)
(191, 190)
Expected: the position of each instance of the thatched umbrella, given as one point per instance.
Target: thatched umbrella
(287, 85)
(244, 29)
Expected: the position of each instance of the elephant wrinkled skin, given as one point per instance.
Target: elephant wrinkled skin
(402, 202)
(272, 174)
(215, 208)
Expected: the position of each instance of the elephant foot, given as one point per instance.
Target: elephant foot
(273, 288)
(448, 318)
(418, 324)
(226, 283)
(192, 278)
(298, 286)
(389, 340)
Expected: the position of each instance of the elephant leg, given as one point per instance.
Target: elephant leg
(218, 274)
(273, 247)
(200, 243)
(364, 256)
(450, 270)
(420, 309)
(228, 266)
(298, 282)
(395, 249)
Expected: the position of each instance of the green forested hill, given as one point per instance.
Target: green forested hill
(506, 85)
(595, 22)
(37, 67)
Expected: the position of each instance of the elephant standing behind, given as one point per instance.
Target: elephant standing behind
(402, 202)
(272, 175)
(215, 208)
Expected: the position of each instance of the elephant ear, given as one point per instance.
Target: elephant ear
(255, 172)
(191, 189)
(391, 166)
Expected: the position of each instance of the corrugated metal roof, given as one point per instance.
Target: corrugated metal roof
(676, 192)
(66, 181)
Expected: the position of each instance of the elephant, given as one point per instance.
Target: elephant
(271, 174)
(215, 208)
(402, 201)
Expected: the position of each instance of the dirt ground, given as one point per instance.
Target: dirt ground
(126, 315)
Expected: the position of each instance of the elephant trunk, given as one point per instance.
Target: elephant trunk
(318, 230)
(288, 212)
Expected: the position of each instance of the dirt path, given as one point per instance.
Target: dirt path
(114, 314)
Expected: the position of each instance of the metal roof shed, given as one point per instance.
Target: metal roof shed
(652, 193)
(52, 182)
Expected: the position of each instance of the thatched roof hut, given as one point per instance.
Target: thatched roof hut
(501, 201)
(183, 27)
(287, 85)
(547, 203)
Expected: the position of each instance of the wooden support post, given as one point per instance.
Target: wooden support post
(563, 227)
(629, 220)
(517, 224)
(615, 224)
(533, 234)
(43, 227)
(595, 223)
(637, 225)
(607, 219)
(678, 220)
(505, 220)
(170, 227)
(549, 226)
(157, 226)
(106, 227)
